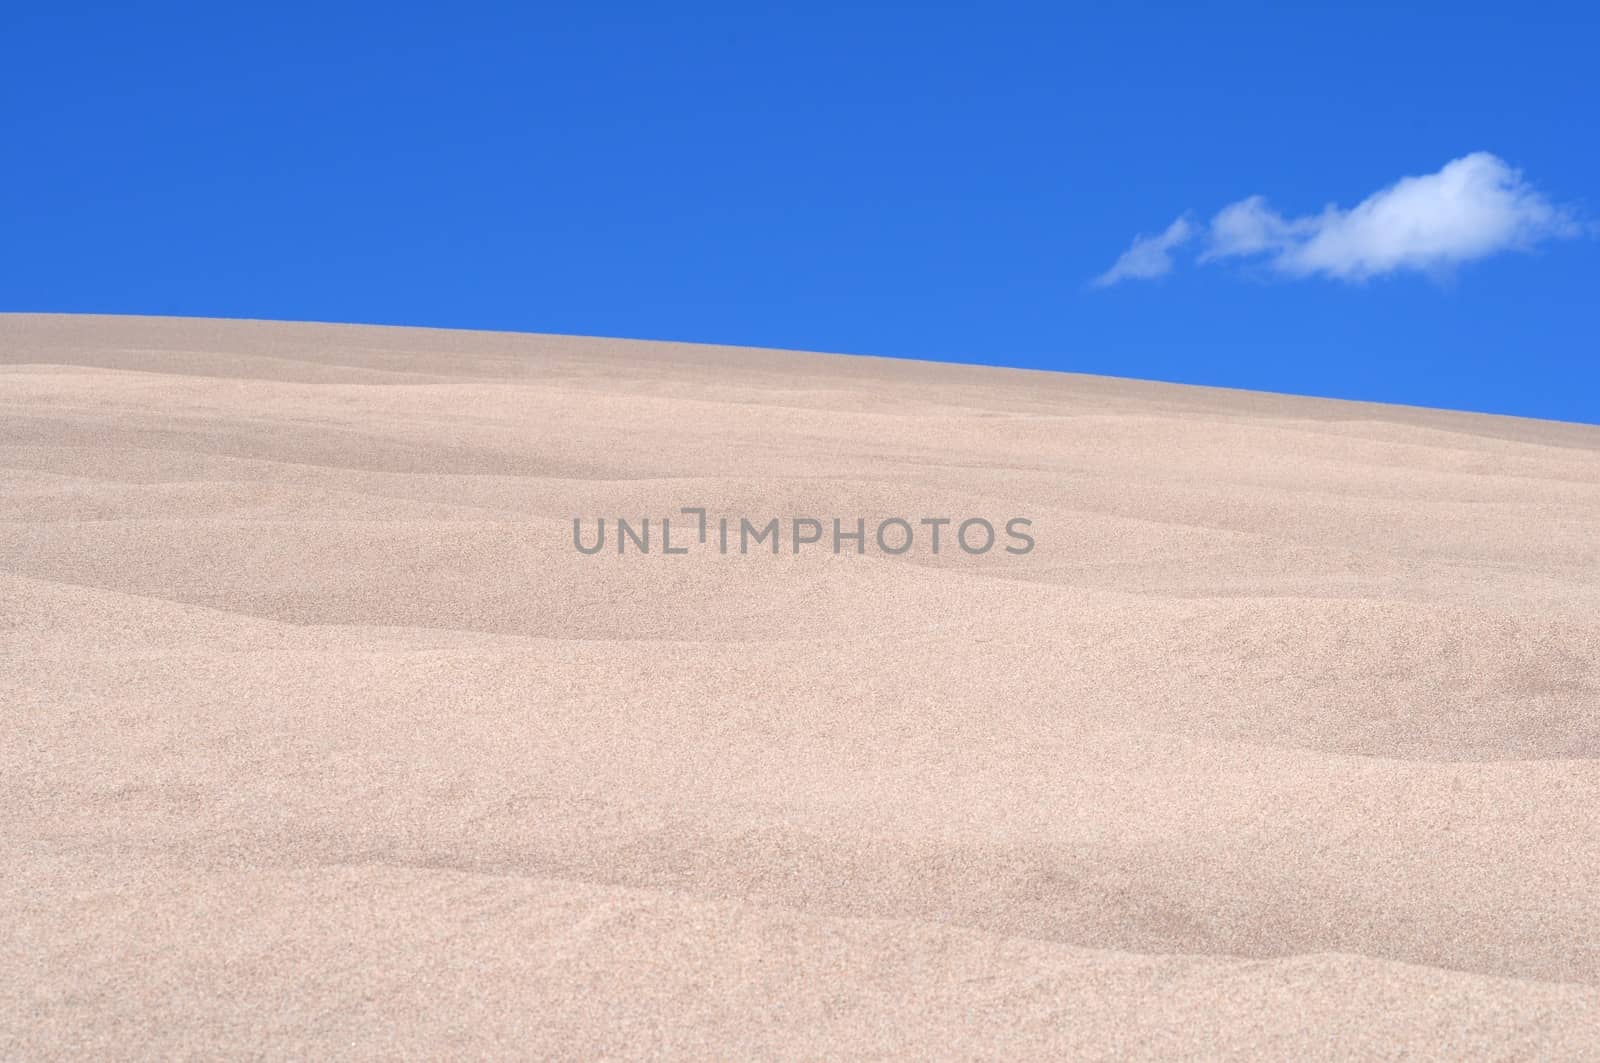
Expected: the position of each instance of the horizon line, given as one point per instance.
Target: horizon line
(716, 344)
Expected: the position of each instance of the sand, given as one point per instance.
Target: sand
(322, 740)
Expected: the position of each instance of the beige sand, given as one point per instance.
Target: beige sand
(321, 740)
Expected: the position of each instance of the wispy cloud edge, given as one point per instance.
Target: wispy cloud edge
(1148, 256)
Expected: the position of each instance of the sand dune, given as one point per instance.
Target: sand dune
(322, 739)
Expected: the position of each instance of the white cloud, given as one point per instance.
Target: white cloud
(1249, 227)
(1474, 207)
(1150, 256)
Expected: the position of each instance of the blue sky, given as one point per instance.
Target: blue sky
(918, 180)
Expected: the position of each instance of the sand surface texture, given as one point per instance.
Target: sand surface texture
(320, 739)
